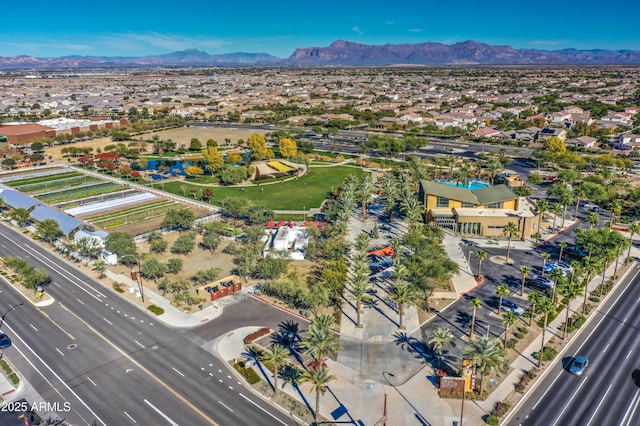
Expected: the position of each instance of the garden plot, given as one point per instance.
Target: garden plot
(79, 192)
(108, 205)
(55, 184)
(32, 176)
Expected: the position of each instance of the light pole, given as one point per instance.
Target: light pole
(488, 328)
(420, 416)
(138, 276)
(11, 308)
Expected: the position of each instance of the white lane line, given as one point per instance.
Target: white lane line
(202, 368)
(629, 354)
(600, 404)
(631, 410)
(92, 382)
(80, 301)
(139, 344)
(57, 285)
(225, 406)
(130, 418)
(59, 351)
(220, 380)
(605, 348)
(570, 400)
(638, 300)
(177, 371)
(34, 327)
(157, 410)
(280, 421)
(230, 387)
(108, 322)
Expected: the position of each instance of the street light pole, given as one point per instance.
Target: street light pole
(138, 275)
(11, 308)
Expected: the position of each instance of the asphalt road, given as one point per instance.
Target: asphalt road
(124, 368)
(608, 392)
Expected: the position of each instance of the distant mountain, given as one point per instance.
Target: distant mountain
(349, 54)
(189, 57)
(466, 53)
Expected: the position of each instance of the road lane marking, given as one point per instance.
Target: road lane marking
(600, 404)
(631, 410)
(55, 375)
(34, 327)
(59, 351)
(629, 354)
(107, 321)
(605, 348)
(130, 418)
(92, 382)
(175, 393)
(139, 344)
(80, 301)
(56, 324)
(164, 416)
(280, 421)
(177, 371)
(570, 401)
(225, 406)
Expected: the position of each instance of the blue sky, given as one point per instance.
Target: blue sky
(142, 27)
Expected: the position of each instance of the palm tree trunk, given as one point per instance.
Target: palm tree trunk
(533, 310)
(604, 273)
(564, 215)
(358, 307)
(500, 304)
(577, 206)
(522, 286)
(317, 414)
(543, 333)
(584, 305)
(482, 379)
(566, 321)
(508, 250)
(473, 323)
(630, 245)
(401, 314)
(275, 380)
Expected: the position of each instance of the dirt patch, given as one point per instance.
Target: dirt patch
(55, 152)
(184, 135)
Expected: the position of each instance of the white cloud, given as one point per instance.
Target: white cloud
(389, 22)
(415, 30)
(356, 29)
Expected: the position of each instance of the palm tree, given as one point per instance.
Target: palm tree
(593, 219)
(277, 356)
(546, 307)
(590, 266)
(634, 228)
(389, 192)
(555, 208)
(359, 288)
(545, 256)
(542, 206)
(566, 198)
(616, 211)
(555, 275)
(580, 194)
(502, 291)
(493, 166)
(534, 298)
(524, 270)
(509, 319)
(404, 294)
(488, 355)
(321, 341)
(477, 304)
(361, 244)
(570, 290)
(509, 231)
(482, 255)
(364, 192)
(319, 378)
(562, 246)
(441, 337)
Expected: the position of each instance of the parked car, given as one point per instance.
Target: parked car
(580, 363)
(550, 267)
(540, 283)
(511, 306)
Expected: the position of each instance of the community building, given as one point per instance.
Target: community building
(482, 212)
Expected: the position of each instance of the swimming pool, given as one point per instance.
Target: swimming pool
(471, 185)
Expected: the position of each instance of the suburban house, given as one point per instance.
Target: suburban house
(549, 132)
(486, 132)
(484, 211)
(628, 141)
(587, 142)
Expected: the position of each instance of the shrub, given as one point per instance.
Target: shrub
(250, 376)
(594, 298)
(518, 335)
(548, 353)
(511, 343)
(501, 409)
(118, 287)
(550, 318)
(523, 330)
(492, 420)
(156, 309)
(257, 334)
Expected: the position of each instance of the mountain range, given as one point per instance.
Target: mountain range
(346, 53)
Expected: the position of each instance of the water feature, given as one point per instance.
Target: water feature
(470, 185)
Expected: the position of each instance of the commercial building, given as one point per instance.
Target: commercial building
(482, 212)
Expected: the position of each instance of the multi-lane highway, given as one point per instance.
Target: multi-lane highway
(112, 363)
(608, 392)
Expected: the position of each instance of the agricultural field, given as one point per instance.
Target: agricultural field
(139, 213)
(79, 192)
(55, 184)
(32, 180)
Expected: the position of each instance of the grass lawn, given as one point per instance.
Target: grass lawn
(308, 191)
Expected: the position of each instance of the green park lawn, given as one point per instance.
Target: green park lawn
(306, 192)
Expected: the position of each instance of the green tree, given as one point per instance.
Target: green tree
(477, 304)
(158, 245)
(593, 219)
(276, 356)
(195, 144)
(570, 290)
(525, 271)
(364, 193)
(48, 230)
(122, 244)
(482, 255)
(184, 244)
(21, 216)
(634, 229)
(488, 356)
(321, 341)
(555, 276)
(562, 246)
(441, 337)
(359, 288)
(544, 256)
(319, 378)
(88, 247)
(174, 265)
(546, 307)
(534, 298)
(33, 278)
(210, 242)
(509, 231)
(180, 219)
(555, 145)
(501, 291)
(404, 294)
(153, 269)
(509, 319)
(542, 206)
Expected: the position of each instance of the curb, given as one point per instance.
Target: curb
(278, 306)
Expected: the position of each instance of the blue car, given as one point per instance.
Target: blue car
(5, 342)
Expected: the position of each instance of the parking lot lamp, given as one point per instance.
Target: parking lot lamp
(136, 276)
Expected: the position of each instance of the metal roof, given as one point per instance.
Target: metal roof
(66, 223)
(16, 200)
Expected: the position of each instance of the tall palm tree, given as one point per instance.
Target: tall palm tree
(493, 166)
(566, 198)
(319, 379)
(555, 276)
(534, 298)
(359, 288)
(364, 192)
(593, 219)
(634, 228)
(361, 244)
(477, 304)
(509, 319)
(562, 246)
(555, 208)
(440, 338)
(404, 294)
(570, 290)
(544, 256)
(616, 211)
(488, 355)
(524, 270)
(389, 192)
(501, 291)
(542, 206)
(509, 231)
(482, 255)
(546, 307)
(320, 341)
(277, 356)
(590, 266)
(580, 195)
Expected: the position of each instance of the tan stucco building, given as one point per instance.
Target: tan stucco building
(483, 212)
